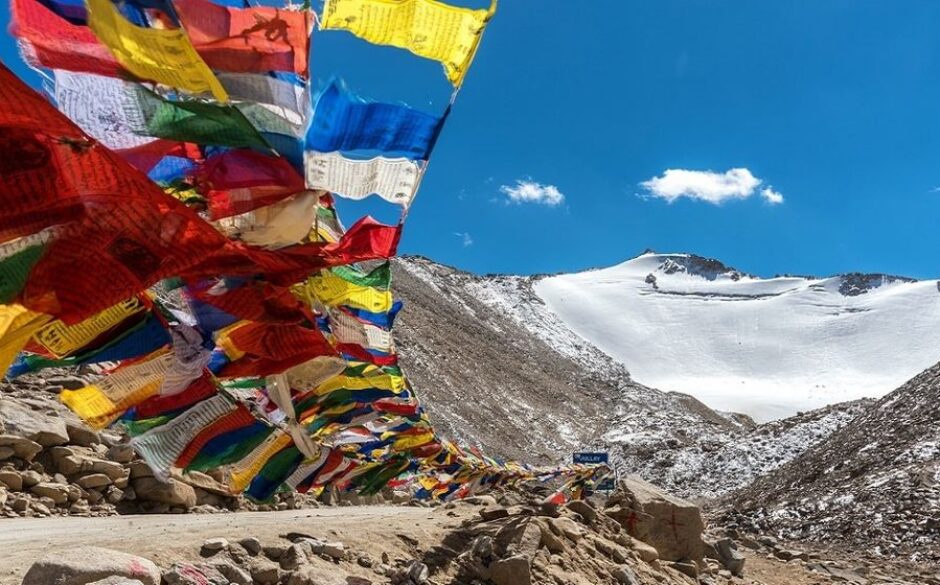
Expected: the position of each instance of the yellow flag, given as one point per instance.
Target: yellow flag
(17, 325)
(161, 55)
(62, 339)
(100, 403)
(244, 471)
(427, 28)
(333, 291)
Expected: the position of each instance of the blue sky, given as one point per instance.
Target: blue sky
(833, 105)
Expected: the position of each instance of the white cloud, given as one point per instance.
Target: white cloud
(771, 196)
(465, 238)
(528, 191)
(708, 186)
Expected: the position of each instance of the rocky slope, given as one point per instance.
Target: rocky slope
(539, 390)
(490, 376)
(875, 483)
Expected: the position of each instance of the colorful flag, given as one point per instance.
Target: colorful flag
(162, 55)
(116, 233)
(190, 121)
(97, 104)
(254, 39)
(431, 29)
(51, 41)
(239, 181)
(393, 179)
(346, 122)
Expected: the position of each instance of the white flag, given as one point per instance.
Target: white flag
(393, 179)
(98, 106)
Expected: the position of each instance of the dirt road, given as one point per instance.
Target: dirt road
(168, 538)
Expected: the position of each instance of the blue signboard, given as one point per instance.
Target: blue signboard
(591, 458)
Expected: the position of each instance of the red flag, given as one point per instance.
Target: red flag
(271, 349)
(146, 156)
(116, 232)
(247, 40)
(239, 181)
(58, 44)
(367, 239)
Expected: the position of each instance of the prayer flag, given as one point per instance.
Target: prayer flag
(162, 55)
(431, 29)
(392, 179)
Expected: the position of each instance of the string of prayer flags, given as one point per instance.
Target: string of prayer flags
(162, 55)
(428, 28)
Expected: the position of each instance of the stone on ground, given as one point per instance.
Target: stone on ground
(83, 565)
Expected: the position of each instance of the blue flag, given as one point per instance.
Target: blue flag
(343, 121)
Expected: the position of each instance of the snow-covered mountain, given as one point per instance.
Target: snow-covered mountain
(766, 347)
(496, 367)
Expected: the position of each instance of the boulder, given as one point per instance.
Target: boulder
(514, 570)
(80, 434)
(490, 513)
(6, 453)
(187, 574)
(233, 573)
(18, 419)
(214, 545)
(729, 556)
(80, 566)
(30, 478)
(22, 447)
(56, 492)
(251, 545)
(418, 572)
(671, 525)
(264, 572)
(12, 479)
(624, 575)
(567, 527)
(92, 481)
(584, 509)
(117, 581)
(121, 453)
(172, 492)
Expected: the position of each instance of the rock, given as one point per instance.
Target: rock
(187, 574)
(30, 478)
(334, 550)
(19, 419)
(584, 509)
(79, 508)
(672, 525)
(234, 573)
(264, 572)
(624, 575)
(79, 434)
(484, 500)
(646, 552)
(20, 504)
(550, 540)
(56, 492)
(274, 551)
(251, 545)
(729, 556)
(686, 568)
(22, 447)
(526, 542)
(173, 492)
(92, 481)
(79, 566)
(11, 479)
(789, 554)
(514, 570)
(294, 556)
(214, 545)
(117, 581)
(567, 527)
(3, 498)
(139, 470)
(121, 453)
(488, 514)
(418, 572)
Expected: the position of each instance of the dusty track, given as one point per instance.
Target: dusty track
(167, 538)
